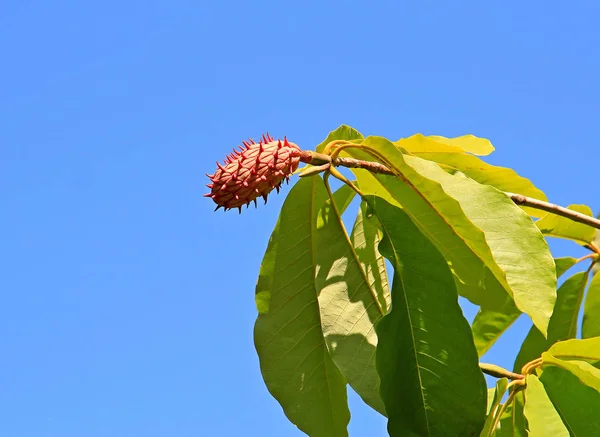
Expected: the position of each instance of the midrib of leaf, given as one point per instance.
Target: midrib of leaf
(412, 334)
(338, 217)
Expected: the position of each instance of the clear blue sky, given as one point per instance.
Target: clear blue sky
(127, 304)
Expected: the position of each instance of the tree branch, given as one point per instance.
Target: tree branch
(315, 158)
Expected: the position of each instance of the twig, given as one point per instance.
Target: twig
(519, 199)
(315, 158)
(499, 372)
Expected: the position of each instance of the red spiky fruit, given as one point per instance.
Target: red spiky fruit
(252, 172)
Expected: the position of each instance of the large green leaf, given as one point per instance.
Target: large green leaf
(564, 264)
(489, 324)
(591, 310)
(554, 225)
(352, 298)
(505, 179)
(583, 370)
(501, 386)
(477, 216)
(531, 348)
(294, 359)
(542, 418)
(563, 323)
(577, 404)
(430, 379)
(575, 349)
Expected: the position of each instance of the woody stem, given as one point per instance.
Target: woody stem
(314, 158)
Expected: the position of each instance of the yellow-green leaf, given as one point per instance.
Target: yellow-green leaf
(468, 143)
(583, 370)
(586, 349)
(557, 226)
(542, 418)
(419, 143)
(505, 179)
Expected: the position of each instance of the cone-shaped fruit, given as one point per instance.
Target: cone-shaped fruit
(253, 172)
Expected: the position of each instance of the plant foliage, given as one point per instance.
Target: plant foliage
(372, 302)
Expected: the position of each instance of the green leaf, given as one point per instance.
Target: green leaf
(343, 132)
(591, 310)
(425, 352)
(542, 418)
(587, 374)
(501, 386)
(294, 359)
(466, 213)
(554, 225)
(563, 323)
(351, 301)
(531, 348)
(588, 349)
(504, 179)
(490, 324)
(577, 404)
(564, 264)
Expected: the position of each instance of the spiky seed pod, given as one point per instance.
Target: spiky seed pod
(252, 172)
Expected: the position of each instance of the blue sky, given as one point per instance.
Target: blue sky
(127, 304)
